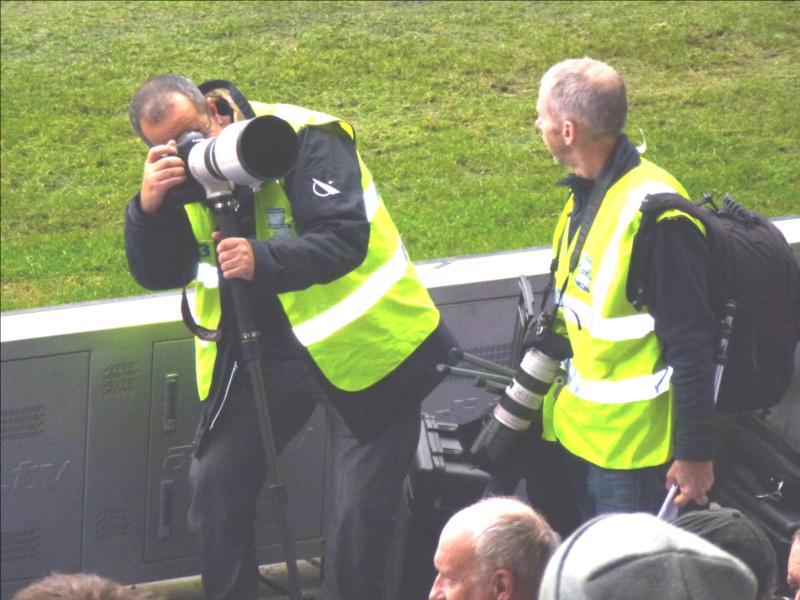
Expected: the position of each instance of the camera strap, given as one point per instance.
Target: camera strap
(238, 98)
(587, 217)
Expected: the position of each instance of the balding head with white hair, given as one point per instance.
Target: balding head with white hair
(495, 549)
(587, 91)
(582, 108)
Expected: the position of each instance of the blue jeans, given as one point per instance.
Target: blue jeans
(599, 491)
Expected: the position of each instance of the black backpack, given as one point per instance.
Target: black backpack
(750, 263)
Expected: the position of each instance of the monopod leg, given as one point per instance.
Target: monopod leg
(224, 209)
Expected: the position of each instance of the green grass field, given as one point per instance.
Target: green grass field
(442, 95)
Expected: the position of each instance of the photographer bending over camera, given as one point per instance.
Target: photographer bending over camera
(346, 325)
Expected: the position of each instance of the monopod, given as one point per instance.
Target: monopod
(248, 153)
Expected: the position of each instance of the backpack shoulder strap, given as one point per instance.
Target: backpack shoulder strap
(588, 215)
(653, 207)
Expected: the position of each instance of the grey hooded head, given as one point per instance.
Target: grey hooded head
(639, 557)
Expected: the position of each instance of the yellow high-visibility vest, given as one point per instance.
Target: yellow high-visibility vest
(357, 328)
(616, 408)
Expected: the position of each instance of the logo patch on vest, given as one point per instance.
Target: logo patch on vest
(207, 275)
(322, 189)
(276, 220)
(276, 217)
(583, 278)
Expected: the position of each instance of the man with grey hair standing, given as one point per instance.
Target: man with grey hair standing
(636, 413)
(496, 549)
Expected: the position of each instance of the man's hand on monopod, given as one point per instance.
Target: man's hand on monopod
(163, 170)
(694, 479)
(235, 257)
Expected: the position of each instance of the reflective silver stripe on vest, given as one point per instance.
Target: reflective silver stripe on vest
(609, 264)
(356, 304)
(207, 275)
(632, 327)
(371, 201)
(644, 387)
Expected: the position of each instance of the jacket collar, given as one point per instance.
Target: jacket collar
(622, 159)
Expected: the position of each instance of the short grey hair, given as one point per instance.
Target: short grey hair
(154, 98)
(509, 534)
(79, 586)
(587, 91)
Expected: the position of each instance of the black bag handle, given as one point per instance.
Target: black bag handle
(207, 335)
(237, 96)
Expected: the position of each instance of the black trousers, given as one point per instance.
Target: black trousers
(363, 486)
